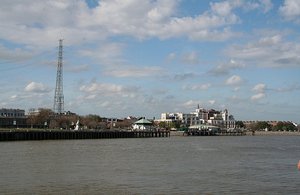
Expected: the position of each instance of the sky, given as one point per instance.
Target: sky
(142, 58)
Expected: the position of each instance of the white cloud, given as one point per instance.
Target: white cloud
(133, 71)
(39, 24)
(264, 5)
(108, 89)
(258, 96)
(267, 5)
(259, 88)
(234, 80)
(268, 51)
(236, 89)
(14, 54)
(184, 76)
(190, 58)
(37, 88)
(191, 104)
(212, 102)
(291, 88)
(171, 57)
(221, 8)
(290, 10)
(197, 87)
(107, 54)
(76, 69)
(254, 50)
(225, 68)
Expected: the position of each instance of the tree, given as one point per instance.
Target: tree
(261, 125)
(41, 118)
(91, 121)
(162, 124)
(124, 124)
(240, 124)
(285, 126)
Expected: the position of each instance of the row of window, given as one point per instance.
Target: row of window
(4, 114)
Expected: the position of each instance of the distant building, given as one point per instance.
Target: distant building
(200, 116)
(10, 118)
(142, 124)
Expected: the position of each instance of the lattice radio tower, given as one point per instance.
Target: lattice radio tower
(58, 106)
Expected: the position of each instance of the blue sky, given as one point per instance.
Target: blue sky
(142, 58)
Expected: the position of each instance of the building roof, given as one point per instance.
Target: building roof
(143, 121)
(202, 126)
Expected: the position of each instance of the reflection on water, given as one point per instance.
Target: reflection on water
(175, 165)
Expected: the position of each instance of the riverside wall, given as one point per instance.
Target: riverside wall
(274, 133)
(17, 135)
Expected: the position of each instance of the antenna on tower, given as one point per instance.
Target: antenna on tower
(58, 106)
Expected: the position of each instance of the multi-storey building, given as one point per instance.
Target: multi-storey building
(200, 116)
(12, 118)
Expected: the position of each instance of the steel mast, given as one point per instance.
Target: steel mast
(58, 106)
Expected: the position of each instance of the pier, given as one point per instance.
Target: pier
(64, 134)
(213, 133)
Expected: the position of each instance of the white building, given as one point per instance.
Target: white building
(200, 116)
(142, 124)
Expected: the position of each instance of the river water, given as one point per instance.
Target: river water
(174, 165)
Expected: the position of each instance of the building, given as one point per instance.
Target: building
(12, 118)
(142, 124)
(200, 116)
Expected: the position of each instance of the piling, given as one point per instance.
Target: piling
(18, 135)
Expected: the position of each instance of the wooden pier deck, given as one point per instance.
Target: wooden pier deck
(211, 133)
(63, 134)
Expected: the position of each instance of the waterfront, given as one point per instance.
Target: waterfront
(174, 165)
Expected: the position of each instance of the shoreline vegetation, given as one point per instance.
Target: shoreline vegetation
(257, 133)
(274, 133)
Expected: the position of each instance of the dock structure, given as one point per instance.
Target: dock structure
(213, 133)
(64, 134)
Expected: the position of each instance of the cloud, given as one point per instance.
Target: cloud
(133, 71)
(290, 10)
(171, 57)
(77, 69)
(16, 54)
(37, 88)
(287, 60)
(191, 104)
(234, 80)
(184, 76)
(190, 58)
(264, 5)
(267, 5)
(212, 102)
(107, 54)
(197, 87)
(258, 96)
(258, 49)
(291, 88)
(221, 8)
(268, 51)
(259, 88)
(39, 24)
(108, 89)
(224, 69)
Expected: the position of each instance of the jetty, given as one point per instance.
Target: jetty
(195, 132)
(21, 135)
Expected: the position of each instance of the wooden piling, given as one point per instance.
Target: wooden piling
(18, 135)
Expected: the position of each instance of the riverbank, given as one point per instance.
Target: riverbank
(274, 133)
(249, 133)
